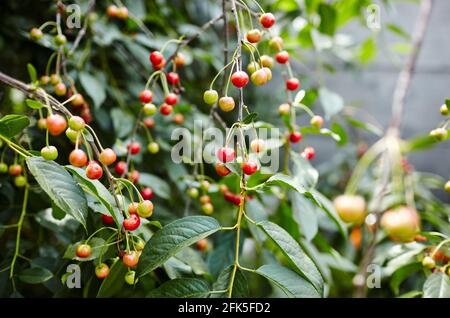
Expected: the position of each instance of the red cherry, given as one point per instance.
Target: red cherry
(94, 171)
(107, 219)
(267, 20)
(134, 147)
(102, 271)
(147, 193)
(149, 122)
(160, 65)
(226, 154)
(308, 153)
(15, 170)
(295, 136)
(282, 57)
(239, 79)
(231, 197)
(56, 124)
(134, 176)
(132, 223)
(221, 169)
(130, 259)
(249, 167)
(120, 167)
(292, 84)
(83, 250)
(78, 158)
(173, 78)
(156, 58)
(171, 99)
(107, 156)
(146, 96)
(254, 36)
(165, 109)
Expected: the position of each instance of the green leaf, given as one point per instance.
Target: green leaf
(292, 284)
(93, 87)
(366, 126)
(172, 238)
(299, 97)
(115, 282)
(332, 103)
(403, 273)
(288, 181)
(411, 294)
(303, 171)
(328, 18)
(98, 248)
(158, 185)
(447, 102)
(249, 118)
(329, 209)
(123, 122)
(367, 51)
(397, 30)
(181, 288)
(437, 285)
(223, 253)
(11, 125)
(240, 285)
(305, 214)
(34, 104)
(32, 72)
(37, 275)
(292, 250)
(338, 130)
(60, 187)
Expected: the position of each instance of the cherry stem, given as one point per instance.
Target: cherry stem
(46, 24)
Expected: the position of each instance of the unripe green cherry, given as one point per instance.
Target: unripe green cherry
(204, 185)
(149, 109)
(266, 61)
(60, 39)
(428, 262)
(77, 123)
(252, 67)
(444, 110)
(72, 134)
(153, 148)
(284, 109)
(447, 186)
(130, 278)
(49, 153)
(145, 209)
(210, 96)
(36, 34)
(3, 167)
(316, 121)
(20, 181)
(259, 77)
(439, 133)
(192, 192)
(208, 208)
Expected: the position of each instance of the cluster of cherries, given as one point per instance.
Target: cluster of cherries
(15, 170)
(204, 199)
(441, 134)
(114, 11)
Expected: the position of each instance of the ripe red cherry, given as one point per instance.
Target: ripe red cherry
(120, 167)
(267, 20)
(78, 158)
(226, 154)
(202, 245)
(107, 219)
(146, 96)
(231, 197)
(308, 153)
(83, 250)
(160, 65)
(156, 58)
(56, 124)
(134, 147)
(249, 167)
(134, 176)
(221, 169)
(15, 170)
(130, 259)
(282, 57)
(147, 193)
(94, 171)
(239, 79)
(102, 271)
(295, 136)
(292, 84)
(111, 11)
(165, 109)
(173, 78)
(171, 99)
(107, 156)
(179, 60)
(132, 223)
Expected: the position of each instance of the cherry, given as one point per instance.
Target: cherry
(226, 154)
(178, 119)
(107, 156)
(267, 20)
(78, 158)
(249, 167)
(54, 79)
(156, 58)
(208, 208)
(179, 59)
(147, 193)
(107, 219)
(72, 135)
(308, 153)
(204, 185)
(76, 123)
(56, 124)
(252, 67)
(351, 208)
(160, 66)
(282, 57)
(149, 122)
(83, 250)
(3, 167)
(146, 96)
(165, 109)
(276, 43)
(173, 78)
(284, 109)
(49, 153)
(205, 199)
(42, 123)
(226, 103)
(268, 73)
(439, 134)
(254, 36)
(444, 110)
(257, 145)
(239, 79)
(44, 79)
(401, 223)
(428, 262)
(139, 243)
(145, 209)
(447, 186)
(259, 77)
(36, 34)
(171, 99)
(231, 197)
(295, 136)
(132, 223)
(201, 245)
(94, 171)
(193, 193)
(130, 259)
(221, 169)
(134, 176)
(130, 278)
(153, 148)
(132, 207)
(122, 13)
(86, 114)
(60, 39)
(134, 147)
(266, 61)
(316, 121)
(111, 11)
(15, 169)
(210, 96)
(102, 271)
(20, 181)
(120, 168)
(292, 84)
